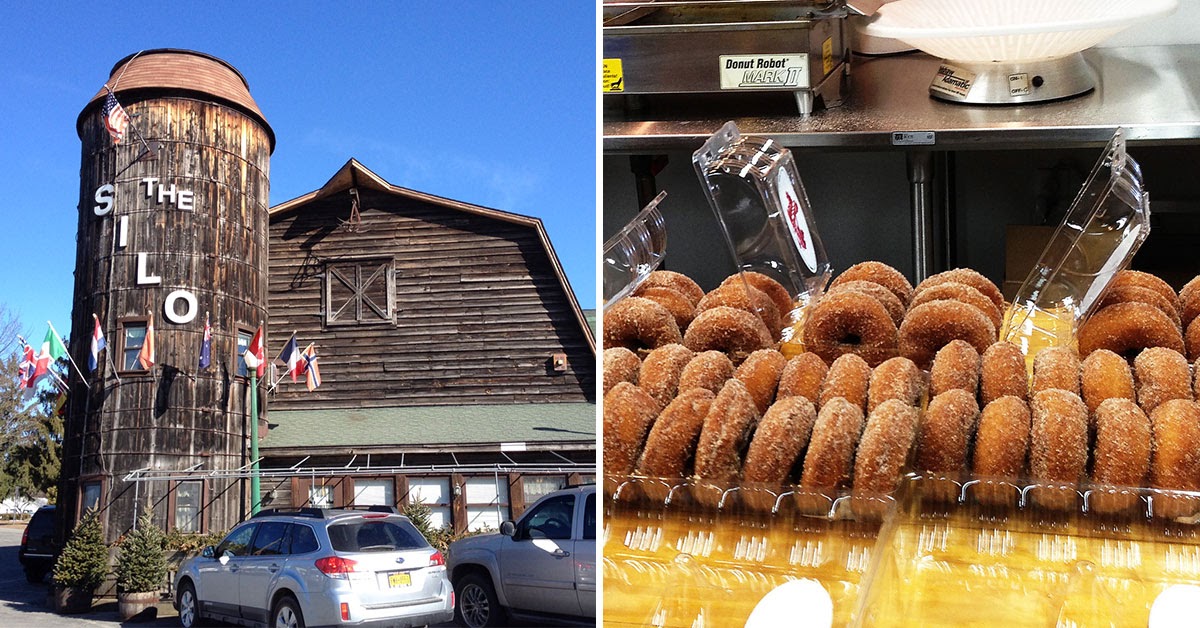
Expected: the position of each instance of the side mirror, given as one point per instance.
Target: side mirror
(208, 552)
(508, 528)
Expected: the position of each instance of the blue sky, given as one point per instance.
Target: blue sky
(489, 103)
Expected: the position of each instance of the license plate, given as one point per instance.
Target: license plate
(399, 580)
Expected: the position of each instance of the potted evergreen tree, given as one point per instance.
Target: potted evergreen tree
(141, 569)
(81, 566)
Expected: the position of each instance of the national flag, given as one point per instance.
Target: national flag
(52, 349)
(115, 118)
(256, 353)
(206, 345)
(26, 369)
(312, 374)
(291, 356)
(60, 404)
(98, 343)
(146, 356)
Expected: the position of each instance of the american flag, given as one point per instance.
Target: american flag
(115, 118)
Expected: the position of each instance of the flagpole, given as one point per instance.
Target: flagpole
(69, 358)
(254, 480)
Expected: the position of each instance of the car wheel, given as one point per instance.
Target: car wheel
(34, 576)
(478, 605)
(287, 614)
(189, 606)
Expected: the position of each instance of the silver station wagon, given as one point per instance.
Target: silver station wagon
(317, 567)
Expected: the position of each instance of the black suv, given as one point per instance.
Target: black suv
(40, 544)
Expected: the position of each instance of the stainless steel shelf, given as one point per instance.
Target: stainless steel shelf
(1152, 91)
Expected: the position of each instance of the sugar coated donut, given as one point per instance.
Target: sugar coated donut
(778, 294)
(639, 325)
(727, 427)
(850, 322)
(672, 440)
(802, 377)
(1121, 453)
(760, 373)
(620, 365)
(1058, 448)
(678, 305)
(955, 365)
(1055, 367)
(961, 292)
(1175, 461)
(931, 326)
(628, 414)
(1162, 374)
(752, 300)
(709, 370)
(886, 440)
(896, 378)
(971, 278)
(1001, 447)
(946, 432)
(1138, 294)
(1127, 328)
(1191, 340)
(848, 378)
(1105, 375)
(781, 436)
(1140, 279)
(879, 273)
(676, 281)
(1002, 373)
(735, 332)
(888, 299)
(827, 464)
(660, 372)
(1189, 301)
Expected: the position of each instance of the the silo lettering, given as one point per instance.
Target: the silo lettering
(104, 198)
(170, 308)
(144, 278)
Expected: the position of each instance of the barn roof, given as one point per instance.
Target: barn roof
(185, 71)
(430, 427)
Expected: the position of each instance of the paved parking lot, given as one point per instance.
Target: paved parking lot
(24, 604)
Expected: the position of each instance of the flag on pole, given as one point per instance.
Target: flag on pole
(312, 374)
(52, 349)
(98, 343)
(115, 118)
(206, 345)
(291, 356)
(256, 353)
(60, 404)
(146, 356)
(26, 369)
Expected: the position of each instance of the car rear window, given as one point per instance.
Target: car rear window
(41, 523)
(375, 535)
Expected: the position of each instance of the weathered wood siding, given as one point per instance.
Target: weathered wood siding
(478, 314)
(175, 416)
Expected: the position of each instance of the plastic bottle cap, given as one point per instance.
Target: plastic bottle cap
(801, 603)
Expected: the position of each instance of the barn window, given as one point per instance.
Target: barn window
(243, 341)
(359, 292)
(188, 502)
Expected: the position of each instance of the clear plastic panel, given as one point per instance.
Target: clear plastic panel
(634, 252)
(764, 212)
(1103, 229)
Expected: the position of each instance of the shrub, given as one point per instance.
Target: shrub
(141, 567)
(83, 563)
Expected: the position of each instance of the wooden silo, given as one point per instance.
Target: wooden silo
(173, 224)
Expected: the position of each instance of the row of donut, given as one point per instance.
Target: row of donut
(1140, 310)
(873, 311)
(680, 414)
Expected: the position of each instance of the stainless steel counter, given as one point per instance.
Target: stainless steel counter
(1152, 91)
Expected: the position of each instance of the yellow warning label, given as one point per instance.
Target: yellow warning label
(827, 56)
(612, 77)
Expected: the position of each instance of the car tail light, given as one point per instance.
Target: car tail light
(336, 566)
(437, 560)
(25, 537)
(378, 515)
(452, 599)
(345, 612)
